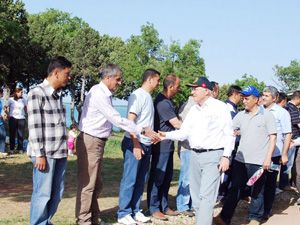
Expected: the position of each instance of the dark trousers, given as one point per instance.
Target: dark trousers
(161, 174)
(270, 187)
(241, 172)
(16, 128)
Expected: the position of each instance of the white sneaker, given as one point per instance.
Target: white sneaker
(127, 220)
(3, 154)
(140, 217)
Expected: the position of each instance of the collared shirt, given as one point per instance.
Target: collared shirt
(208, 126)
(17, 108)
(232, 108)
(46, 123)
(98, 114)
(295, 119)
(283, 126)
(255, 131)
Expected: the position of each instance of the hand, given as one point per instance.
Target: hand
(237, 133)
(292, 144)
(147, 131)
(162, 135)
(284, 159)
(224, 164)
(138, 152)
(40, 163)
(266, 165)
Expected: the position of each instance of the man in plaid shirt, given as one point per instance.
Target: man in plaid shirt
(47, 141)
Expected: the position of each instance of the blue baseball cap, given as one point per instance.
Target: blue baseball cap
(250, 90)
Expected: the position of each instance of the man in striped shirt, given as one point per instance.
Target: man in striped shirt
(47, 141)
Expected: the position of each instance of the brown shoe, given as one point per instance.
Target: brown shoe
(159, 216)
(171, 212)
(218, 220)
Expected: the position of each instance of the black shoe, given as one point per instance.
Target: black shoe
(188, 213)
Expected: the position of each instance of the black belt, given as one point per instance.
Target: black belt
(201, 150)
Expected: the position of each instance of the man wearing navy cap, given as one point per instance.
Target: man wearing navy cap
(258, 139)
(208, 128)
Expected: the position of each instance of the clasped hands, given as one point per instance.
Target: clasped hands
(154, 136)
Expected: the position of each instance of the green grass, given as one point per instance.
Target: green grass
(16, 186)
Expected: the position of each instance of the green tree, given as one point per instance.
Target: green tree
(289, 77)
(247, 80)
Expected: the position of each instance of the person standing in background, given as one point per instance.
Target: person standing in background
(17, 110)
(3, 152)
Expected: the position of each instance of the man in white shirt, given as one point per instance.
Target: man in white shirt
(137, 151)
(208, 128)
(98, 117)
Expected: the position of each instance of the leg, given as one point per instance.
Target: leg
(2, 138)
(141, 179)
(239, 179)
(157, 176)
(12, 132)
(129, 178)
(270, 188)
(256, 208)
(41, 193)
(57, 186)
(167, 182)
(90, 152)
(297, 166)
(209, 186)
(20, 133)
(183, 199)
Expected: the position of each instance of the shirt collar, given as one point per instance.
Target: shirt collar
(231, 103)
(107, 92)
(49, 89)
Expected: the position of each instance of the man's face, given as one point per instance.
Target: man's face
(267, 99)
(176, 87)
(114, 82)
(199, 94)
(155, 81)
(250, 102)
(63, 76)
(238, 96)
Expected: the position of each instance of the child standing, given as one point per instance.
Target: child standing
(71, 139)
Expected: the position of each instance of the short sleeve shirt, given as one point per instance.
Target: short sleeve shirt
(164, 111)
(255, 131)
(141, 104)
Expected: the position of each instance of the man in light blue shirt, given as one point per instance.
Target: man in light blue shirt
(280, 154)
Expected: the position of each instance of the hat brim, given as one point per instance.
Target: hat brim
(192, 85)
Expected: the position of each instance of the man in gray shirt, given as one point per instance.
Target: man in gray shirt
(258, 139)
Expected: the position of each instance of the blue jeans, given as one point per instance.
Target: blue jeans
(161, 174)
(135, 175)
(183, 199)
(48, 187)
(2, 138)
(241, 172)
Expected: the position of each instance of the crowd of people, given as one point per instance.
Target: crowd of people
(224, 151)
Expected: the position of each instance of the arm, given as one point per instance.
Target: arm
(271, 148)
(137, 149)
(35, 129)
(285, 149)
(175, 122)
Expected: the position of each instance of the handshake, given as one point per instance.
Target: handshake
(154, 136)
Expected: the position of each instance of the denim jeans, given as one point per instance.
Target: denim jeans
(16, 128)
(270, 187)
(48, 187)
(183, 198)
(241, 172)
(161, 174)
(286, 169)
(135, 175)
(2, 138)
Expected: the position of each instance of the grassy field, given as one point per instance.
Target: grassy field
(16, 187)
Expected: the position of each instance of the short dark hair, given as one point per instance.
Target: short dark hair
(149, 73)
(58, 62)
(233, 89)
(110, 70)
(169, 80)
(281, 96)
(296, 94)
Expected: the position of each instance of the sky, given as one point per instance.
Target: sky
(238, 36)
